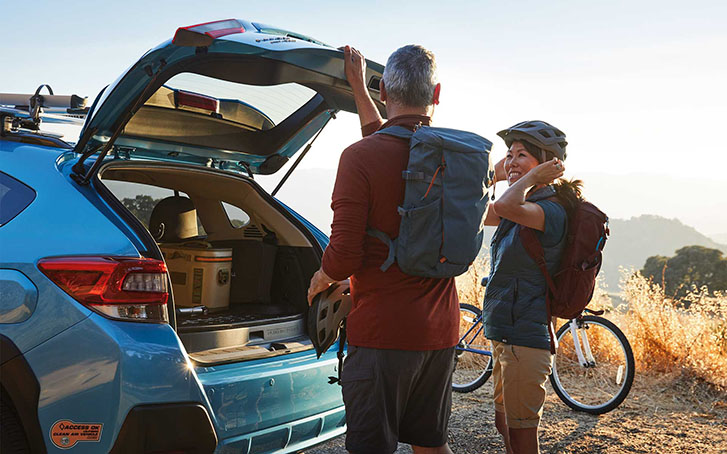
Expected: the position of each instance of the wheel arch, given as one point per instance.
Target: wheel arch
(22, 386)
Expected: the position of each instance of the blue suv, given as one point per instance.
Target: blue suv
(152, 294)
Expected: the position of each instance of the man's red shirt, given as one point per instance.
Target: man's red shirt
(391, 310)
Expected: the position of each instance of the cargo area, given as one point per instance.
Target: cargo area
(239, 264)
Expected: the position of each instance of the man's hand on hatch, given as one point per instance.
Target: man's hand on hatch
(354, 65)
(318, 283)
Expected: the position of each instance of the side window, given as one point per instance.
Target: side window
(236, 216)
(140, 199)
(14, 197)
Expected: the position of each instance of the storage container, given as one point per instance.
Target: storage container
(200, 276)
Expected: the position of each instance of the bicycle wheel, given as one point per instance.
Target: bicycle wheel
(594, 371)
(473, 361)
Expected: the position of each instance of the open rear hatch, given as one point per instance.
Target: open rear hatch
(202, 100)
(229, 96)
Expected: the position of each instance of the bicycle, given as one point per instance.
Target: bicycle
(593, 368)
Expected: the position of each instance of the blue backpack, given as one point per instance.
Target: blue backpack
(447, 181)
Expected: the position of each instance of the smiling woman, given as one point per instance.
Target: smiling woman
(516, 316)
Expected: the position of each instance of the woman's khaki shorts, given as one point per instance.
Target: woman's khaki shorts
(519, 375)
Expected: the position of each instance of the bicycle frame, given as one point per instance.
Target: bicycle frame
(477, 323)
(578, 331)
(583, 353)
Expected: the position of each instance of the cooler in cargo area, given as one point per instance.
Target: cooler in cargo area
(200, 276)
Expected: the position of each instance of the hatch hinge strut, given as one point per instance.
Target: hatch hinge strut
(78, 168)
(302, 155)
(247, 168)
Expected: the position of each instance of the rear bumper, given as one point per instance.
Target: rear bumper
(184, 427)
(290, 437)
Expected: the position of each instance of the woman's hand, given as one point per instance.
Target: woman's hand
(500, 174)
(546, 172)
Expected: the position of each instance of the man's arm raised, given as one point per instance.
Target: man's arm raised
(355, 68)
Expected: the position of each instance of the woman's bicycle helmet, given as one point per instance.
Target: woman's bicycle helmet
(539, 133)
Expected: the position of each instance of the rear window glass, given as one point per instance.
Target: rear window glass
(238, 218)
(14, 197)
(277, 102)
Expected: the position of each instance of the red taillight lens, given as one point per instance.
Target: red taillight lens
(195, 100)
(203, 34)
(118, 287)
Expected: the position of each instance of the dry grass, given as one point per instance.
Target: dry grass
(669, 338)
(469, 285)
(683, 342)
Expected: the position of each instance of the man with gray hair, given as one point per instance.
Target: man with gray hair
(402, 329)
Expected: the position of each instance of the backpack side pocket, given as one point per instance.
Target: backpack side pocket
(420, 238)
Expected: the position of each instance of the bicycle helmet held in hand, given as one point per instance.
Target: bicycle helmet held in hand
(326, 314)
(539, 133)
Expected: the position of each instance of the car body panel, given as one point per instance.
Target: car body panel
(291, 437)
(99, 369)
(46, 230)
(257, 395)
(18, 297)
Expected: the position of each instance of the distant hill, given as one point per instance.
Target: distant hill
(719, 237)
(633, 240)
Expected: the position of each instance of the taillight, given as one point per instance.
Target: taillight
(202, 35)
(196, 101)
(126, 288)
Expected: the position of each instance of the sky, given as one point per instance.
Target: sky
(637, 86)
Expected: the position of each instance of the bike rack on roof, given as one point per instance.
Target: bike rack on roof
(27, 111)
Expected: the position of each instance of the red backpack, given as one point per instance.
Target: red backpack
(571, 288)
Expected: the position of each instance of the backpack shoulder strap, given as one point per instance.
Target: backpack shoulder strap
(396, 131)
(387, 241)
(535, 250)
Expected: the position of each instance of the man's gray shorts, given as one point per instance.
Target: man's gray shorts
(396, 395)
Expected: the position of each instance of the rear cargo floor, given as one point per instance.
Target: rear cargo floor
(237, 316)
(227, 320)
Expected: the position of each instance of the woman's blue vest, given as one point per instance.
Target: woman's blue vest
(514, 307)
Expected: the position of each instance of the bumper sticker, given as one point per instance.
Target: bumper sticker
(65, 433)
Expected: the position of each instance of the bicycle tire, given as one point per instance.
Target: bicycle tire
(581, 387)
(471, 370)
